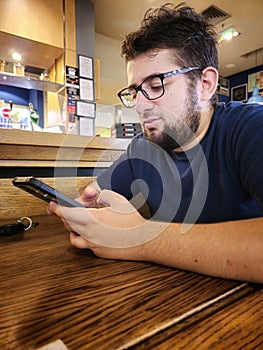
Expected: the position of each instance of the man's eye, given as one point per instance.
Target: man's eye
(156, 87)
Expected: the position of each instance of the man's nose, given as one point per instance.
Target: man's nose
(142, 103)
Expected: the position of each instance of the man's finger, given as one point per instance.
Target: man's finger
(115, 201)
(78, 241)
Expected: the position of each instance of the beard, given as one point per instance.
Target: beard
(183, 127)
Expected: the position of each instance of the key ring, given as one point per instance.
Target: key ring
(28, 225)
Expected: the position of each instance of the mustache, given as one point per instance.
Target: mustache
(156, 114)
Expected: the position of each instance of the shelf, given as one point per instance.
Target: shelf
(29, 83)
(34, 53)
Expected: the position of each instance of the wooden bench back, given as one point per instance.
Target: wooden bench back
(27, 153)
(16, 203)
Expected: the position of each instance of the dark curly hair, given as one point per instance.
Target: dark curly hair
(178, 27)
(174, 27)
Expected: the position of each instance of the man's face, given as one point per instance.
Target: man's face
(171, 120)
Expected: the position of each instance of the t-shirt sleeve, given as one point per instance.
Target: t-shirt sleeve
(118, 177)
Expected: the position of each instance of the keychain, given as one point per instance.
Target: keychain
(23, 224)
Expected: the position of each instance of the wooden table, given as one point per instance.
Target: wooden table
(237, 326)
(50, 291)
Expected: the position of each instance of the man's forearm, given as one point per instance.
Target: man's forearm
(229, 249)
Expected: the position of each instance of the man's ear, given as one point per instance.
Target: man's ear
(209, 83)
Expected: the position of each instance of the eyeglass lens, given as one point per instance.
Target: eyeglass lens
(152, 88)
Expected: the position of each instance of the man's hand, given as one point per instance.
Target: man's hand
(104, 230)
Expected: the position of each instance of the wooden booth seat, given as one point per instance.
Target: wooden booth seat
(66, 162)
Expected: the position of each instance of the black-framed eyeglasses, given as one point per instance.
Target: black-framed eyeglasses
(152, 87)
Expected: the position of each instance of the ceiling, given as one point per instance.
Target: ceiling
(115, 17)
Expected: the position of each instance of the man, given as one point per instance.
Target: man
(198, 165)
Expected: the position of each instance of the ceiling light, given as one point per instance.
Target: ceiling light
(16, 56)
(228, 34)
(230, 65)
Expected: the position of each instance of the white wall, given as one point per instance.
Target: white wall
(112, 68)
(112, 79)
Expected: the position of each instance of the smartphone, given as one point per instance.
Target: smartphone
(44, 192)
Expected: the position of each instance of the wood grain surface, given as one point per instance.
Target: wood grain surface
(46, 139)
(63, 155)
(16, 203)
(58, 155)
(235, 324)
(50, 291)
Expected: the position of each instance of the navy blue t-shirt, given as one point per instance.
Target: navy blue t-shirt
(218, 180)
